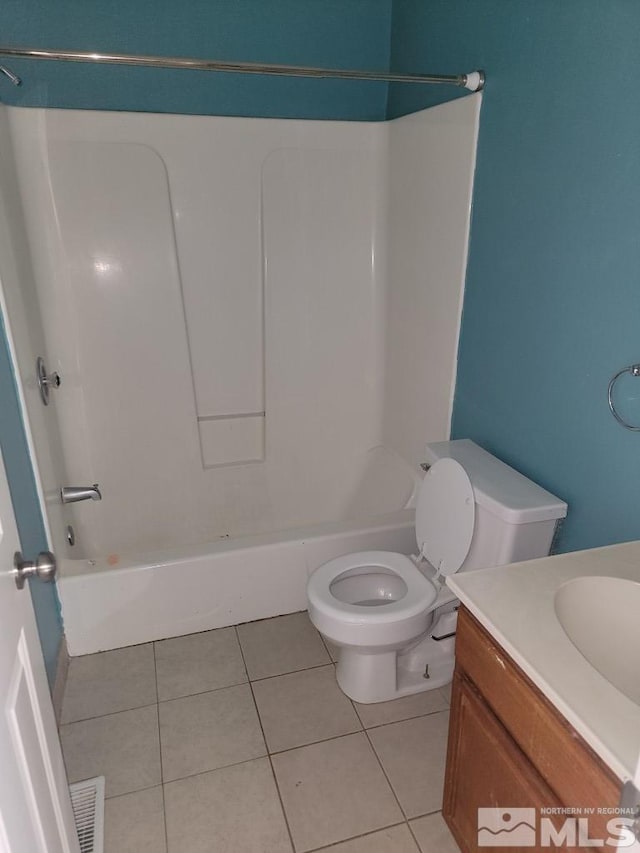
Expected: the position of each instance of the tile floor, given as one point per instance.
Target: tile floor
(240, 740)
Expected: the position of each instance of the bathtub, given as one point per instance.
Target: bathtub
(118, 601)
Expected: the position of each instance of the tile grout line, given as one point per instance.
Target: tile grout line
(135, 791)
(425, 814)
(400, 719)
(214, 769)
(406, 816)
(164, 802)
(419, 817)
(202, 692)
(413, 835)
(382, 725)
(353, 704)
(109, 714)
(324, 643)
(405, 719)
(244, 662)
(280, 800)
(356, 837)
(328, 662)
(266, 746)
(314, 742)
(384, 773)
(291, 671)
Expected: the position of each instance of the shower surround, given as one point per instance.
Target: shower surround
(256, 325)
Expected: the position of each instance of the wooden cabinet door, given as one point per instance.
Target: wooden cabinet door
(485, 769)
(569, 767)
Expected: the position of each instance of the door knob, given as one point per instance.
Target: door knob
(44, 567)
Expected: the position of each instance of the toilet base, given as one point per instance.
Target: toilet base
(368, 678)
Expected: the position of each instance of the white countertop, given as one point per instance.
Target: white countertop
(515, 604)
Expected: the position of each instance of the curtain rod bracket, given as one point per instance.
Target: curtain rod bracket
(9, 73)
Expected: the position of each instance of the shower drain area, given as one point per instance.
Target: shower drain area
(87, 801)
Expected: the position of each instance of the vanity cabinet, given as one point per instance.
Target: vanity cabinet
(510, 748)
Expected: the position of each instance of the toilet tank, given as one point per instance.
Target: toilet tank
(515, 518)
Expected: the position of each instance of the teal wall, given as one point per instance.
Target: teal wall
(552, 304)
(340, 33)
(26, 507)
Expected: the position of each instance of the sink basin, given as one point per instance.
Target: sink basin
(601, 617)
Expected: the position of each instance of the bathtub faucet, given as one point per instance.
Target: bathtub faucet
(71, 494)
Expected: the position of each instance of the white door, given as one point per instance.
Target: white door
(35, 809)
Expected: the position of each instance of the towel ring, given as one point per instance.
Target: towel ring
(634, 370)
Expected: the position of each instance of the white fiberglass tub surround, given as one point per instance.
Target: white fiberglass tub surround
(240, 310)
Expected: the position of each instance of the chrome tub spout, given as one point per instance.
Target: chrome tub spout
(71, 494)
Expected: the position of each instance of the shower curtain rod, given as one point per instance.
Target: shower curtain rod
(473, 81)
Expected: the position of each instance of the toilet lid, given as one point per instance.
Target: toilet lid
(445, 516)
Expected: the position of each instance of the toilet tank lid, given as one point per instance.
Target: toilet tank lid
(496, 486)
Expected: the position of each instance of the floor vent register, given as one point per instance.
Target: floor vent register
(87, 801)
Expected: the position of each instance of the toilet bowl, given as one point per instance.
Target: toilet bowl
(375, 599)
(391, 616)
(374, 605)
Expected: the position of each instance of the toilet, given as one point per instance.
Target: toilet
(391, 616)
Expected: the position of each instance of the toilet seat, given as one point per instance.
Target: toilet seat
(357, 625)
(420, 594)
(445, 516)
